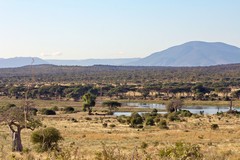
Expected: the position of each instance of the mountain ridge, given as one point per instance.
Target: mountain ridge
(193, 53)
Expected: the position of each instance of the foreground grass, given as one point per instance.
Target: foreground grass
(87, 137)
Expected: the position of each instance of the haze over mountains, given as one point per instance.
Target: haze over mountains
(195, 53)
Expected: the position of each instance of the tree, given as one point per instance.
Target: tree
(236, 94)
(18, 118)
(174, 105)
(88, 102)
(112, 105)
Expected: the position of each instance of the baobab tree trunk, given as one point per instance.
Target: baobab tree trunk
(16, 138)
(16, 141)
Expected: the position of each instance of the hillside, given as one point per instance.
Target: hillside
(195, 53)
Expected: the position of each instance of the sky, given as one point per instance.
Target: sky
(83, 29)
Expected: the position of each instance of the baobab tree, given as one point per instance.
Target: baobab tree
(17, 119)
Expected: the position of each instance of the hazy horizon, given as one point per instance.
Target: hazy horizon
(76, 30)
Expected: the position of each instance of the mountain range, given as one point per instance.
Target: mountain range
(194, 53)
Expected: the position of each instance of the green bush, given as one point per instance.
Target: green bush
(135, 120)
(112, 125)
(183, 151)
(173, 116)
(122, 119)
(214, 126)
(34, 111)
(184, 113)
(104, 125)
(157, 118)
(149, 121)
(46, 139)
(163, 124)
(46, 111)
(154, 112)
(55, 108)
(68, 109)
(144, 145)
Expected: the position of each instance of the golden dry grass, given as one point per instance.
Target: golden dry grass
(88, 135)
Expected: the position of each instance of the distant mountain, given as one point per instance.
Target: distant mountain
(20, 61)
(91, 62)
(195, 53)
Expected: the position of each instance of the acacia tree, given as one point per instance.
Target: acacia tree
(112, 105)
(18, 118)
(174, 105)
(88, 102)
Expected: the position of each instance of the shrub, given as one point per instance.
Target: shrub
(55, 108)
(182, 151)
(122, 119)
(157, 118)
(144, 145)
(135, 120)
(184, 113)
(163, 124)
(68, 109)
(88, 118)
(104, 125)
(149, 121)
(214, 126)
(112, 125)
(154, 112)
(46, 139)
(46, 111)
(34, 111)
(173, 116)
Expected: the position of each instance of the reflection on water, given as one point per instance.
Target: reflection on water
(193, 109)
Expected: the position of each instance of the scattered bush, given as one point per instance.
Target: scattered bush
(112, 125)
(184, 113)
(74, 120)
(214, 126)
(163, 124)
(144, 145)
(68, 109)
(154, 112)
(149, 121)
(157, 118)
(104, 125)
(135, 120)
(46, 139)
(183, 151)
(88, 118)
(122, 119)
(173, 116)
(46, 111)
(34, 111)
(55, 108)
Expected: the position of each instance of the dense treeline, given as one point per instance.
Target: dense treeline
(122, 74)
(71, 82)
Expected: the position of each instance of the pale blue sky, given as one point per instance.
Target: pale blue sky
(81, 29)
